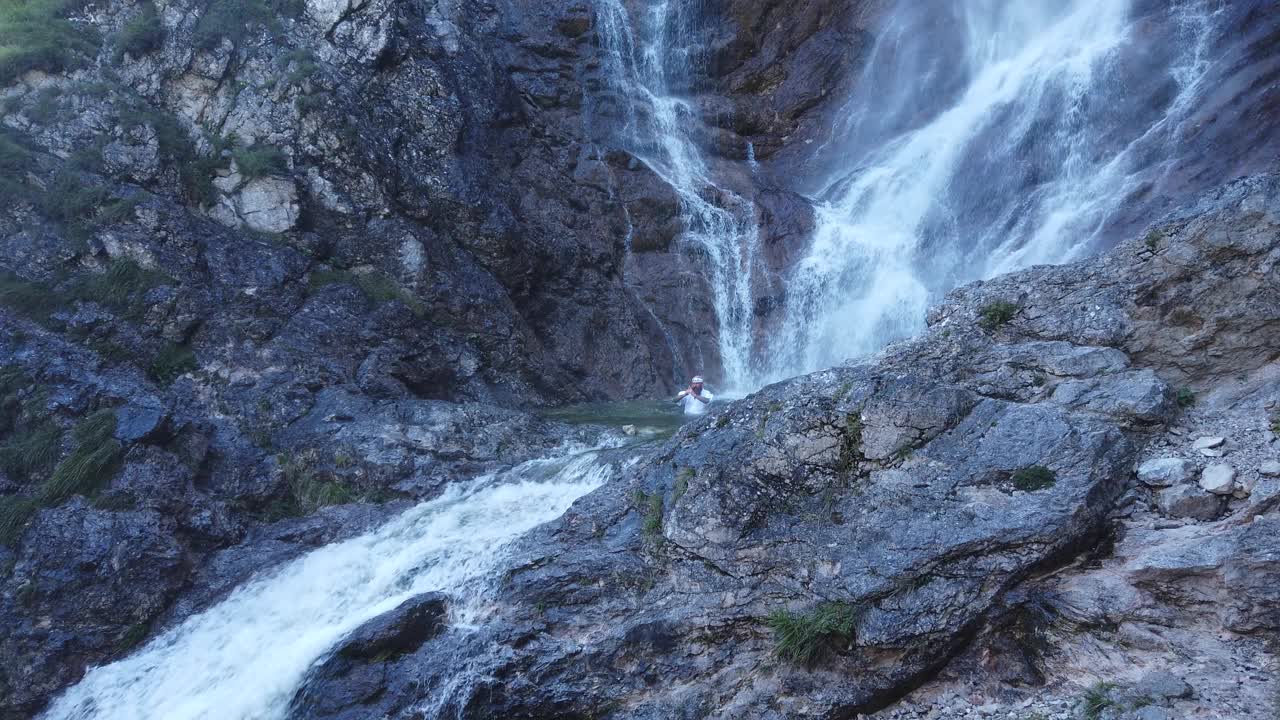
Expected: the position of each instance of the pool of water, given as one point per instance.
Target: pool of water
(651, 418)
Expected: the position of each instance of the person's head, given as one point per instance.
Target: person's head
(696, 383)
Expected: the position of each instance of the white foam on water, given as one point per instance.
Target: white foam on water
(245, 657)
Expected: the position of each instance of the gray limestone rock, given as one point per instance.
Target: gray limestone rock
(1163, 472)
(1219, 479)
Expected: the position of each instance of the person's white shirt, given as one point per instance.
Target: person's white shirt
(692, 405)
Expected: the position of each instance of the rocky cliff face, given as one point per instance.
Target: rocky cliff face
(269, 271)
(827, 544)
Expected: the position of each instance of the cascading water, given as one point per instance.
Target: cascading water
(647, 64)
(246, 656)
(983, 136)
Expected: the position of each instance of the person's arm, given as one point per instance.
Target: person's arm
(705, 397)
(681, 395)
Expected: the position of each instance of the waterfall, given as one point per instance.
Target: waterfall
(983, 136)
(646, 66)
(246, 656)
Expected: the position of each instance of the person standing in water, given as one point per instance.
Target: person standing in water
(694, 399)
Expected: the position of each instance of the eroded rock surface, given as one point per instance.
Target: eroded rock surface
(905, 497)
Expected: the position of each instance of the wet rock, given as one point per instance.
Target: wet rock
(1219, 479)
(1270, 468)
(347, 683)
(401, 630)
(1189, 501)
(1163, 472)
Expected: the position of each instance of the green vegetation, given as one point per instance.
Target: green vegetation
(1097, 699)
(259, 160)
(301, 64)
(172, 362)
(1034, 477)
(15, 162)
(237, 20)
(36, 35)
(802, 638)
(195, 169)
(1186, 397)
(851, 440)
(33, 299)
(80, 207)
(309, 486)
(89, 465)
(134, 635)
(48, 105)
(997, 314)
(142, 35)
(681, 484)
(121, 287)
(31, 451)
(14, 513)
(650, 507)
(377, 286)
(1153, 238)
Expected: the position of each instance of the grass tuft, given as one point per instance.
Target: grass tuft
(1186, 397)
(172, 362)
(997, 314)
(90, 465)
(803, 638)
(30, 452)
(258, 160)
(121, 287)
(36, 35)
(1097, 699)
(378, 287)
(1034, 477)
(14, 513)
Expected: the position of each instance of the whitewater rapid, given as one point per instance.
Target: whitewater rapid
(245, 657)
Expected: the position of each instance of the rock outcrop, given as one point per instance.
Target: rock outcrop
(823, 546)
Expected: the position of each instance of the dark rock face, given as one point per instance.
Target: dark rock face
(904, 497)
(361, 664)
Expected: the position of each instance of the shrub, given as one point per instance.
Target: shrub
(1186, 397)
(997, 314)
(1034, 477)
(802, 638)
(259, 160)
(172, 362)
(141, 35)
(1153, 238)
(90, 464)
(36, 35)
